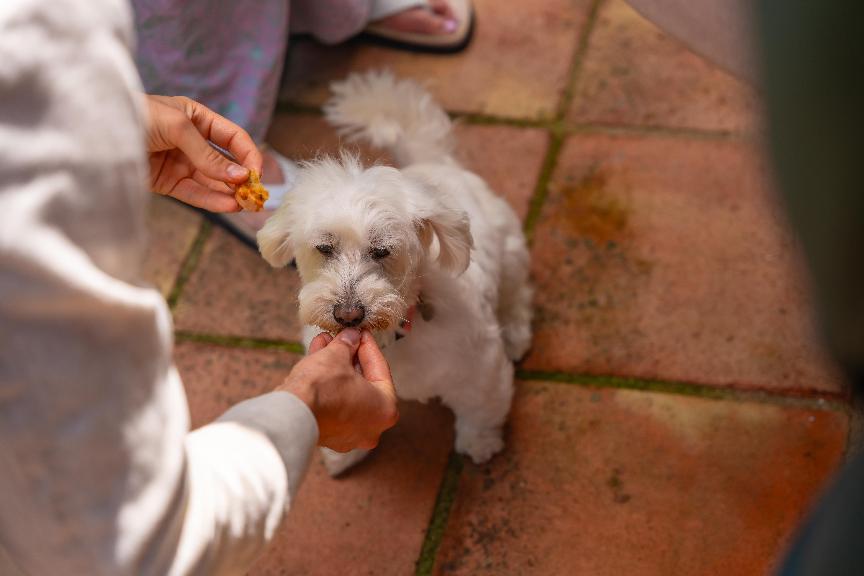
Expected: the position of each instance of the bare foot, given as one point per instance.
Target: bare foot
(438, 20)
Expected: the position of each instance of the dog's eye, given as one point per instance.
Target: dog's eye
(379, 253)
(325, 249)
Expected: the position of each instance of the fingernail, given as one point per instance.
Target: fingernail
(350, 336)
(450, 25)
(235, 171)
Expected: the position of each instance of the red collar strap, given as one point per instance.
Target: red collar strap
(406, 324)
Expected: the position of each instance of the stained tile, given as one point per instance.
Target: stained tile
(669, 258)
(607, 482)
(635, 75)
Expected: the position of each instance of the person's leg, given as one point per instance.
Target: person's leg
(719, 30)
(812, 56)
(226, 55)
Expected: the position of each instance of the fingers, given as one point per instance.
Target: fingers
(212, 184)
(191, 192)
(372, 362)
(185, 135)
(225, 134)
(320, 342)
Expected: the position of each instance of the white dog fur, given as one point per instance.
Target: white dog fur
(378, 239)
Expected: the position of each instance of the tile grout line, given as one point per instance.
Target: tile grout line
(656, 131)
(190, 262)
(557, 130)
(576, 63)
(239, 342)
(541, 190)
(450, 483)
(440, 515)
(787, 397)
(794, 399)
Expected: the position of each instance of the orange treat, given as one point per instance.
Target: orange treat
(251, 195)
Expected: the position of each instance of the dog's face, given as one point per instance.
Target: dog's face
(361, 238)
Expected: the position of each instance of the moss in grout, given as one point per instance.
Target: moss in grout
(541, 191)
(240, 342)
(440, 515)
(820, 401)
(190, 262)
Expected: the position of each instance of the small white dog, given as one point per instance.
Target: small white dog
(375, 245)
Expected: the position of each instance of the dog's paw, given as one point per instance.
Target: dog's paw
(479, 445)
(338, 462)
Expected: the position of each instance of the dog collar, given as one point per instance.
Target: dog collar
(427, 312)
(405, 325)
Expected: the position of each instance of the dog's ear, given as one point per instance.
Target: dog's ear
(449, 231)
(273, 241)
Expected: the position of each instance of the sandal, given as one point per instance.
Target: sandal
(447, 43)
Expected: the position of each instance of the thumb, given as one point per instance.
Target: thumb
(344, 345)
(204, 157)
(372, 361)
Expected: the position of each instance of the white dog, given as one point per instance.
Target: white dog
(375, 245)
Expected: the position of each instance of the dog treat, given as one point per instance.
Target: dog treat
(251, 195)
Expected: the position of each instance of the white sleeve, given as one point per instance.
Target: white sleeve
(98, 471)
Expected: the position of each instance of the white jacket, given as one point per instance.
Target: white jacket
(98, 471)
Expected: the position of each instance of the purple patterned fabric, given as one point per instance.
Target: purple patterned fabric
(228, 54)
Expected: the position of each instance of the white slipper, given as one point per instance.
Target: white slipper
(278, 192)
(453, 41)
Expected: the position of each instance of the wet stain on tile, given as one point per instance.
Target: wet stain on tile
(589, 211)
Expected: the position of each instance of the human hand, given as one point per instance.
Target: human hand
(352, 408)
(182, 162)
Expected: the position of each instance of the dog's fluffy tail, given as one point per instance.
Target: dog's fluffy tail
(397, 115)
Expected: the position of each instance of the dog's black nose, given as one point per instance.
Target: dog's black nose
(349, 316)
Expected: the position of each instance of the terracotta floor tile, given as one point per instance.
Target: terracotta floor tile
(606, 482)
(305, 136)
(508, 158)
(172, 230)
(233, 291)
(371, 521)
(216, 377)
(517, 65)
(667, 258)
(634, 74)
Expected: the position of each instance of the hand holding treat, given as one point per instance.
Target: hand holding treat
(185, 165)
(251, 195)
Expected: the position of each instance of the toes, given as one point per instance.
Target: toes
(442, 8)
(420, 21)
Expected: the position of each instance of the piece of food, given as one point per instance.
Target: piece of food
(251, 195)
